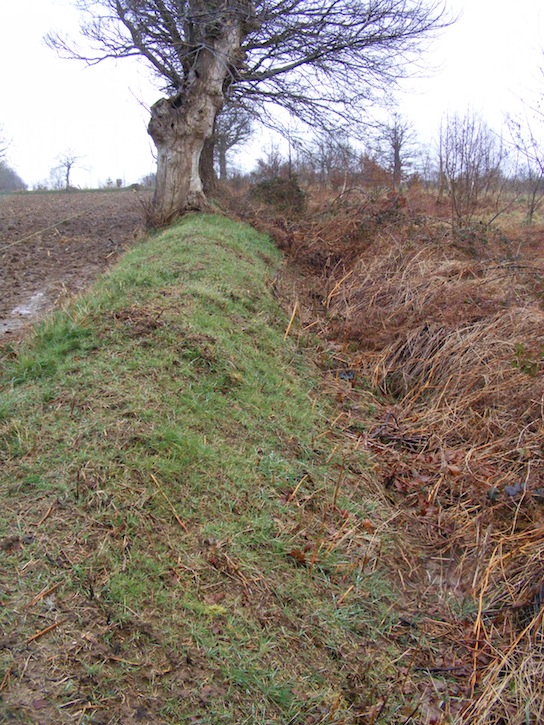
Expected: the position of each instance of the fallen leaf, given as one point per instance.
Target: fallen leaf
(453, 469)
(298, 556)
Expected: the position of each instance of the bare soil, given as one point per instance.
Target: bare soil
(52, 245)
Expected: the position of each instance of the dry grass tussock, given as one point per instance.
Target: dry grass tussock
(449, 330)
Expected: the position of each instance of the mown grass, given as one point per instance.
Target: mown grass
(185, 538)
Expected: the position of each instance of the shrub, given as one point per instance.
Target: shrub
(284, 195)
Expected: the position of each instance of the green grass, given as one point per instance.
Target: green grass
(152, 436)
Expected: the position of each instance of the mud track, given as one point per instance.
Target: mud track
(52, 245)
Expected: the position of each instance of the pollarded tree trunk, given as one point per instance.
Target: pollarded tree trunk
(180, 125)
(179, 145)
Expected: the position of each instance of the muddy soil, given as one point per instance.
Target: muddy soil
(52, 245)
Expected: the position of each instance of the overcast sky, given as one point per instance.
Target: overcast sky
(487, 62)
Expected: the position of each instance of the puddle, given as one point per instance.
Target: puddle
(24, 312)
(31, 307)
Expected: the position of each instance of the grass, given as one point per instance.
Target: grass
(185, 535)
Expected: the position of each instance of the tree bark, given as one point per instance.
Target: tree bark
(180, 125)
(397, 165)
(222, 159)
(207, 171)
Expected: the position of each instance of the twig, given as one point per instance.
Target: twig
(46, 630)
(318, 544)
(86, 708)
(337, 487)
(42, 594)
(124, 662)
(176, 516)
(345, 594)
(478, 627)
(293, 314)
(417, 649)
(43, 518)
(5, 681)
(293, 493)
(336, 287)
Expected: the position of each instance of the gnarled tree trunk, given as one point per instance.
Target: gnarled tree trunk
(180, 125)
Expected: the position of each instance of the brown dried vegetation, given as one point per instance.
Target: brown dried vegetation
(440, 335)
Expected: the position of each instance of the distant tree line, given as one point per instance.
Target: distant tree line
(475, 171)
(9, 178)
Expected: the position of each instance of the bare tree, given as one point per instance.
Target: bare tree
(471, 158)
(271, 165)
(63, 170)
(56, 179)
(397, 147)
(426, 167)
(530, 148)
(331, 161)
(319, 59)
(3, 144)
(233, 126)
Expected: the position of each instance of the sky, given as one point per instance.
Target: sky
(487, 62)
(51, 106)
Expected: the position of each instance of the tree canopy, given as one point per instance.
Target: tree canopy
(316, 58)
(319, 59)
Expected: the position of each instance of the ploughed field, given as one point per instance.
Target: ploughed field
(53, 244)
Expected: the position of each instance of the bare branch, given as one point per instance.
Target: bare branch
(321, 60)
(3, 144)
(316, 58)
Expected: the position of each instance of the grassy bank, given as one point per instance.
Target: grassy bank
(184, 536)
